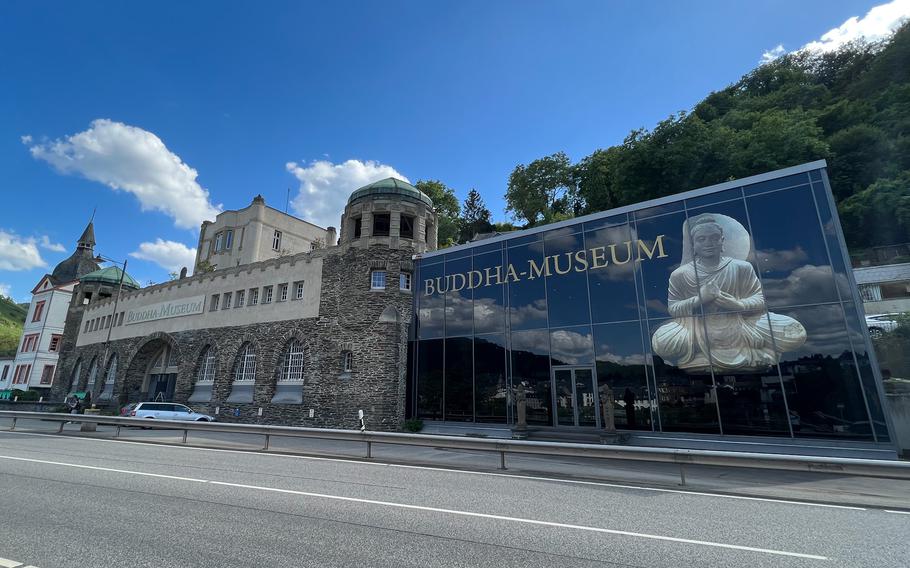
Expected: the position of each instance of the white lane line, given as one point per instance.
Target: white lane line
(466, 472)
(436, 510)
(4, 563)
(897, 512)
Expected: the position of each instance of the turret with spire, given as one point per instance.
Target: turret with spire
(81, 262)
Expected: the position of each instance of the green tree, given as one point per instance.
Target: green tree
(475, 217)
(880, 214)
(542, 191)
(447, 209)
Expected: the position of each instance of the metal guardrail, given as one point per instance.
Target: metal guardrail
(681, 457)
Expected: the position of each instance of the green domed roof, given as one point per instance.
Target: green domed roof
(111, 275)
(391, 186)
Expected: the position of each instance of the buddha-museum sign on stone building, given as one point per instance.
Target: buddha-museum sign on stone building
(723, 310)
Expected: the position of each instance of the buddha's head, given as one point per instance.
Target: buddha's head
(707, 237)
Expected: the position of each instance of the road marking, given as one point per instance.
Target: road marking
(897, 512)
(465, 472)
(435, 510)
(4, 563)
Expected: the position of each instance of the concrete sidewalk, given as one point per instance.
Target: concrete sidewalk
(797, 486)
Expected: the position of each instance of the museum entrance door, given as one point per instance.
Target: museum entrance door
(576, 399)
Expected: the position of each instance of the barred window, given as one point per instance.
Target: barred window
(267, 295)
(240, 296)
(347, 361)
(377, 280)
(282, 292)
(207, 366)
(254, 296)
(292, 370)
(245, 370)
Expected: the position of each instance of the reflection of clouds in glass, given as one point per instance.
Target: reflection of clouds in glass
(780, 260)
(825, 332)
(604, 353)
(488, 314)
(534, 311)
(808, 284)
(533, 341)
(572, 347)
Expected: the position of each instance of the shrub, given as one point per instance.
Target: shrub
(413, 425)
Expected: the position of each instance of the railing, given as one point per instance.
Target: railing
(681, 457)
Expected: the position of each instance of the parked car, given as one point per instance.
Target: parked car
(880, 324)
(125, 411)
(168, 411)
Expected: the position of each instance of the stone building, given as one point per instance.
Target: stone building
(307, 337)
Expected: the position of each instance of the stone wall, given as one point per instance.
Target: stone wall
(373, 325)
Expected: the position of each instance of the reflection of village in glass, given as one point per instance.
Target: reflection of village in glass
(718, 307)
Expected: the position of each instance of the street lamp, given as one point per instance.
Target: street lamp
(99, 259)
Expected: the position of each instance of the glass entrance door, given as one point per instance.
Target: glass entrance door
(576, 401)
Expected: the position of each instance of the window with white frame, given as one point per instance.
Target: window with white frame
(292, 370)
(226, 305)
(282, 292)
(219, 242)
(254, 296)
(245, 369)
(267, 294)
(240, 297)
(21, 375)
(276, 241)
(228, 238)
(207, 366)
(377, 280)
(298, 290)
(213, 305)
(47, 374)
(404, 281)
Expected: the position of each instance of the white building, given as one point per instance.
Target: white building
(35, 363)
(255, 233)
(6, 372)
(885, 289)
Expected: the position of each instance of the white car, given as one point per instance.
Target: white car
(880, 324)
(168, 411)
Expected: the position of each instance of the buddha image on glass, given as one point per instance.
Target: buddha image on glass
(715, 279)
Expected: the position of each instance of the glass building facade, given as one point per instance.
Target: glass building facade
(724, 310)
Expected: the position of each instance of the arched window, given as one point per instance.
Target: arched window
(347, 361)
(244, 375)
(92, 375)
(206, 372)
(109, 379)
(74, 378)
(292, 369)
(205, 376)
(245, 370)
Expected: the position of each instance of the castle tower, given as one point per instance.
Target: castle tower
(390, 212)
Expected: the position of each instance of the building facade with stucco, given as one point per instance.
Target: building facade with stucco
(306, 334)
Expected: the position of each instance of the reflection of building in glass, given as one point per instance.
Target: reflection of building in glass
(569, 310)
(885, 289)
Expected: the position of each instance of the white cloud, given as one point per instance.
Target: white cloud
(17, 253)
(325, 187)
(131, 159)
(772, 54)
(879, 23)
(5, 289)
(48, 245)
(170, 255)
(26, 139)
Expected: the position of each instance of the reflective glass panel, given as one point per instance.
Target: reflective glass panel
(834, 248)
(820, 376)
(459, 389)
(621, 377)
(659, 245)
(490, 387)
(790, 249)
(867, 377)
(527, 297)
(567, 286)
(489, 293)
(531, 367)
(686, 395)
(777, 183)
(429, 379)
(459, 297)
(612, 285)
(430, 301)
(572, 346)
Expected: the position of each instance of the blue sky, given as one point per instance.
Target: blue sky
(161, 113)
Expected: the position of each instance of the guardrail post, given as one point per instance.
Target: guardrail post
(369, 449)
(184, 435)
(13, 427)
(502, 460)
(117, 433)
(682, 474)
(268, 439)
(60, 429)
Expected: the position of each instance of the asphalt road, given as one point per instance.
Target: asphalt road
(81, 502)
